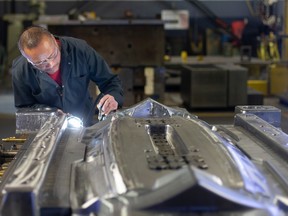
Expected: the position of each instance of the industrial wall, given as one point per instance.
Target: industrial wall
(107, 9)
(200, 20)
(141, 9)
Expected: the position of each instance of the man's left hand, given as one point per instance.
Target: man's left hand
(107, 104)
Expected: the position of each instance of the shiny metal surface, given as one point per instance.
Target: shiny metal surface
(161, 147)
(29, 120)
(27, 178)
(151, 159)
(270, 114)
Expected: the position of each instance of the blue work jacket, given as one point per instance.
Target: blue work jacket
(79, 65)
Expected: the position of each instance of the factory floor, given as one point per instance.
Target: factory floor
(172, 99)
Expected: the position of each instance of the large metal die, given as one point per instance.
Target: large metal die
(151, 159)
(270, 114)
(30, 120)
(21, 187)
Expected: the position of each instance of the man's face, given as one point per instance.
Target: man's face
(46, 56)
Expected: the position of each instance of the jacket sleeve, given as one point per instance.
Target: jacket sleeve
(22, 92)
(100, 73)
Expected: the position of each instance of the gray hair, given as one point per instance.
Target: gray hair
(31, 37)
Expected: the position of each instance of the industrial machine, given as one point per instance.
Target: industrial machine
(213, 85)
(148, 159)
(122, 43)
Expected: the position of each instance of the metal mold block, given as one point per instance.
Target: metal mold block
(30, 120)
(268, 113)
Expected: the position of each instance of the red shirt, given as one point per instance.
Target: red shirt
(57, 75)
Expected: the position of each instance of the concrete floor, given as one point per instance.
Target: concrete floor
(8, 126)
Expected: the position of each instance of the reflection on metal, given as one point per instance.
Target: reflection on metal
(74, 122)
(30, 120)
(270, 114)
(151, 159)
(29, 175)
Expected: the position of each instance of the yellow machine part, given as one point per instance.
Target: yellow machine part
(278, 79)
(259, 85)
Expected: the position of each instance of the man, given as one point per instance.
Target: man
(56, 71)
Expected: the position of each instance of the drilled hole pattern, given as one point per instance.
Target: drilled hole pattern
(164, 162)
(148, 121)
(166, 158)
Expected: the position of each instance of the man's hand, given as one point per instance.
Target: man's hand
(107, 104)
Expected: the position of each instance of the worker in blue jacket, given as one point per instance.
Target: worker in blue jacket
(55, 72)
